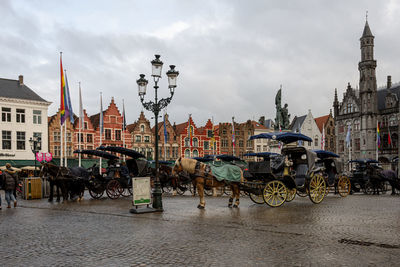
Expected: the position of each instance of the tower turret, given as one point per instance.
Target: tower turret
(335, 105)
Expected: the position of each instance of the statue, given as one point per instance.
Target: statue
(282, 119)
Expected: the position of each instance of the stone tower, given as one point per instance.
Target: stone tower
(368, 94)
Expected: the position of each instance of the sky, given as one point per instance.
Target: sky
(232, 55)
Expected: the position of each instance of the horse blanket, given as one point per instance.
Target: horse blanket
(227, 172)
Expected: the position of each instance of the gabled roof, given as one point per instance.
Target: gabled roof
(13, 89)
(321, 121)
(383, 92)
(257, 125)
(297, 123)
(181, 127)
(95, 119)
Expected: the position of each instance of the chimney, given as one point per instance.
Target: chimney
(389, 81)
(20, 80)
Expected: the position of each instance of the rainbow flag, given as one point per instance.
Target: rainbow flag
(378, 135)
(62, 100)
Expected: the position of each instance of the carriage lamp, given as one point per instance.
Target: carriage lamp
(35, 147)
(156, 67)
(156, 107)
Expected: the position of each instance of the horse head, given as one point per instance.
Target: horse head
(177, 167)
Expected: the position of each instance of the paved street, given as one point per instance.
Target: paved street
(353, 231)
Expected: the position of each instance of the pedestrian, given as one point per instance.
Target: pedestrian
(1, 185)
(9, 184)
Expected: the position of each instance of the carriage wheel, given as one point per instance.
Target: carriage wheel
(291, 194)
(344, 186)
(317, 189)
(113, 189)
(96, 189)
(181, 189)
(258, 198)
(368, 188)
(275, 193)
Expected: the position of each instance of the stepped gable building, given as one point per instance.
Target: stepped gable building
(360, 111)
(243, 131)
(88, 135)
(112, 124)
(55, 136)
(23, 116)
(168, 146)
(201, 139)
(142, 137)
(327, 123)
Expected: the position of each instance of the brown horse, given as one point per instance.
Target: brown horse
(202, 177)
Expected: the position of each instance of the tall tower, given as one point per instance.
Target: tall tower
(368, 94)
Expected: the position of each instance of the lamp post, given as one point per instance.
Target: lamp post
(35, 147)
(156, 107)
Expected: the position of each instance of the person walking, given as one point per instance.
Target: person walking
(9, 184)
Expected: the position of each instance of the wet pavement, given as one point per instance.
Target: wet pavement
(352, 231)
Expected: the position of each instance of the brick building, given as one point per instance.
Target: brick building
(327, 123)
(141, 136)
(242, 133)
(202, 139)
(55, 136)
(169, 149)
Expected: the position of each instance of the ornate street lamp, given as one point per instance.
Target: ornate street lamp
(156, 107)
(35, 143)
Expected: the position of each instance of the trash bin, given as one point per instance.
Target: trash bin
(33, 188)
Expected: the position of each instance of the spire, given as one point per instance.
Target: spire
(367, 31)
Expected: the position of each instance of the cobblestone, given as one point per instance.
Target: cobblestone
(352, 231)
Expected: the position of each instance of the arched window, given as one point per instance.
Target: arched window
(195, 153)
(142, 128)
(316, 141)
(187, 153)
(195, 142)
(187, 141)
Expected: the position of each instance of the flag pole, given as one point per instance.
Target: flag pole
(61, 144)
(165, 141)
(80, 125)
(190, 138)
(65, 144)
(101, 127)
(233, 136)
(377, 137)
(123, 127)
(61, 115)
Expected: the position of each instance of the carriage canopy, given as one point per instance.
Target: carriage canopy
(262, 154)
(97, 153)
(297, 153)
(322, 154)
(284, 137)
(122, 150)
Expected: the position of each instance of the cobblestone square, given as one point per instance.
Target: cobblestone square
(355, 231)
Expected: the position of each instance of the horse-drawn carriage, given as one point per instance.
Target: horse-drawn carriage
(367, 176)
(333, 171)
(295, 172)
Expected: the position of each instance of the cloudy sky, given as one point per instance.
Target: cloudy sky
(232, 55)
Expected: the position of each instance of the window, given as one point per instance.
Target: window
(328, 131)
(187, 153)
(20, 140)
(56, 137)
(56, 151)
(37, 117)
(20, 115)
(195, 153)
(117, 135)
(138, 139)
(210, 133)
(107, 134)
(265, 148)
(38, 136)
(316, 142)
(195, 142)
(249, 143)
(223, 131)
(258, 148)
(237, 133)
(6, 115)
(187, 141)
(77, 136)
(6, 139)
(149, 153)
(341, 129)
(241, 143)
(357, 144)
(168, 152)
(174, 137)
(224, 143)
(174, 152)
(68, 136)
(90, 147)
(206, 145)
(341, 145)
(147, 139)
(142, 128)
(85, 125)
(69, 151)
(89, 138)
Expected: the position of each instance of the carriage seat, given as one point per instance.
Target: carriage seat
(277, 165)
(301, 172)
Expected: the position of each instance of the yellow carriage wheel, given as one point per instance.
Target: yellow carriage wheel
(275, 193)
(257, 198)
(344, 186)
(291, 194)
(317, 189)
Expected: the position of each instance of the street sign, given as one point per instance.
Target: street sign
(141, 191)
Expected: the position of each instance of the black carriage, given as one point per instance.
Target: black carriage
(333, 172)
(298, 173)
(119, 174)
(365, 176)
(98, 180)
